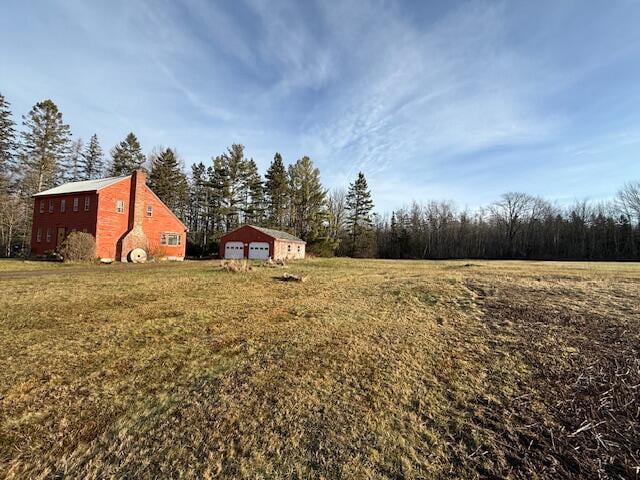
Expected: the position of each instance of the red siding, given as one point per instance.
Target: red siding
(112, 225)
(246, 235)
(106, 224)
(162, 221)
(278, 249)
(69, 220)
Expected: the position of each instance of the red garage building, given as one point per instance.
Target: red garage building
(122, 213)
(260, 243)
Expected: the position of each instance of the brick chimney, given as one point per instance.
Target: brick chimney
(135, 236)
(136, 198)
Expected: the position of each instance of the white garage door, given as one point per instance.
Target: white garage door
(259, 250)
(233, 250)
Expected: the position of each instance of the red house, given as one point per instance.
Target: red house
(122, 213)
(260, 243)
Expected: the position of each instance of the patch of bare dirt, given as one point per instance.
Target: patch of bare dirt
(576, 413)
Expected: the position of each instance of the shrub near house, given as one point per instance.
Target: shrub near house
(122, 213)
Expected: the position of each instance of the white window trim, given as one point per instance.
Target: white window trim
(48, 235)
(39, 235)
(119, 202)
(87, 203)
(50, 206)
(76, 203)
(63, 205)
(41, 206)
(149, 211)
(164, 239)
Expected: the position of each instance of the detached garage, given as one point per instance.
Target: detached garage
(258, 243)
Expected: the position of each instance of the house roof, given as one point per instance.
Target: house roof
(84, 186)
(277, 234)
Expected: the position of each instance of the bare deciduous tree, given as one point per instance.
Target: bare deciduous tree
(628, 200)
(337, 205)
(512, 211)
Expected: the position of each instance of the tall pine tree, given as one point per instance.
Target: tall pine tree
(7, 144)
(277, 192)
(199, 194)
(168, 181)
(126, 157)
(12, 216)
(308, 202)
(45, 144)
(92, 166)
(359, 221)
(73, 162)
(254, 195)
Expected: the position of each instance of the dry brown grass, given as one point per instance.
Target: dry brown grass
(236, 266)
(375, 369)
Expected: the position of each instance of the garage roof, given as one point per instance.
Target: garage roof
(278, 234)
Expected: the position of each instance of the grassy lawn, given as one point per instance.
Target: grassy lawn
(369, 369)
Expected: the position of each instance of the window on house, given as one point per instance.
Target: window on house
(63, 205)
(289, 248)
(75, 204)
(149, 210)
(120, 206)
(298, 248)
(48, 235)
(170, 239)
(50, 206)
(87, 203)
(39, 235)
(41, 206)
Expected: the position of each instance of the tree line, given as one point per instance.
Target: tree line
(229, 191)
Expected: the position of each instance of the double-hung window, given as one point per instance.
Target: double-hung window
(87, 203)
(39, 235)
(48, 235)
(149, 210)
(50, 206)
(41, 206)
(63, 205)
(120, 206)
(75, 204)
(170, 239)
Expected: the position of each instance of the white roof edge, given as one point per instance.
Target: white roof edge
(82, 186)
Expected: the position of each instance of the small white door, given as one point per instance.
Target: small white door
(233, 250)
(259, 250)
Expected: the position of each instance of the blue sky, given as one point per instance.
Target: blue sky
(446, 100)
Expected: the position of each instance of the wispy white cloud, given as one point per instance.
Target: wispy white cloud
(471, 98)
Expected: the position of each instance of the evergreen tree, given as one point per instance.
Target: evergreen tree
(230, 186)
(7, 144)
(199, 194)
(308, 202)
(126, 157)
(359, 208)
(218, 179)
(168, 181)
(73, 162)
(254, 194)
(45, 145)
(277, 192)
(92, 160)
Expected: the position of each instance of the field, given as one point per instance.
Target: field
(369, 369)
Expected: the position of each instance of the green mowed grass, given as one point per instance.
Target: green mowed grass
(369, 369)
